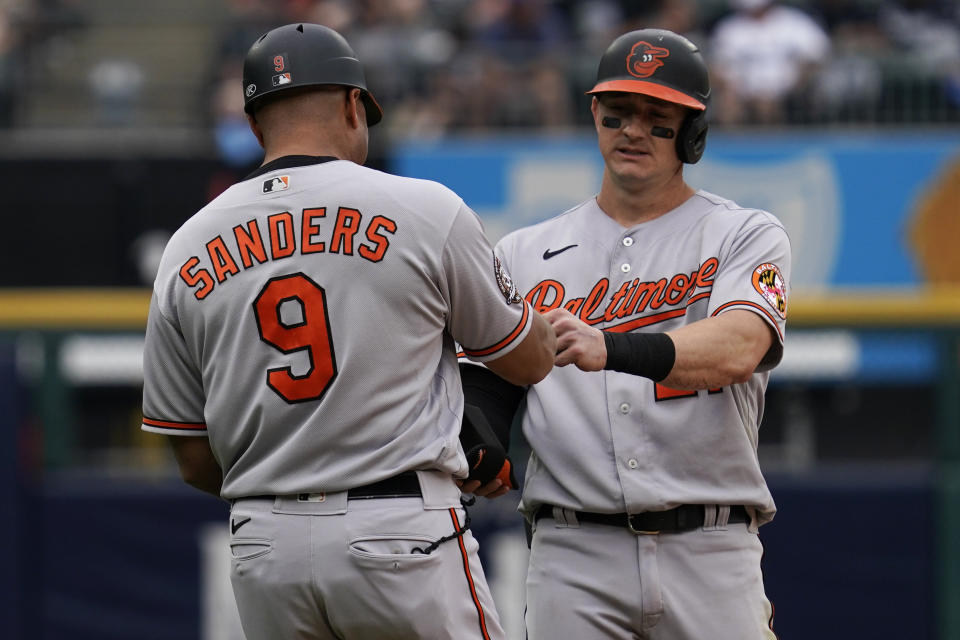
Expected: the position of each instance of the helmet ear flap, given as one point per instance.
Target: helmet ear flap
(692, 137)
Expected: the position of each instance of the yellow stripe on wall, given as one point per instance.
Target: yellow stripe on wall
(74, 308)
(919, 307)
(90, 308)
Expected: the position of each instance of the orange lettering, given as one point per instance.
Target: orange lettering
(250, 244)
(381, 242)
(706, 272)
(538, 295)
(282, 242)
(625, 307)
(348, 223)
(200, 275)
(633, 297)
(646, 292)
(677, 290)
(620, 295)
(661, 392)
(309, 230)
(573, 305)
(594, 298)
(221, 259)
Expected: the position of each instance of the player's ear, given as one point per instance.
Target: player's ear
(255, 127)
(356, 115)
(595, 110)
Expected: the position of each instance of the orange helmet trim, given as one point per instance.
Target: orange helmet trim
(650, 89)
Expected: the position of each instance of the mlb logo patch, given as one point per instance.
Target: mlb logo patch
(276, 184)
(282, 78)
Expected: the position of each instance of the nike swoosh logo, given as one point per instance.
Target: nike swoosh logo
(549, 254)
(236, 524)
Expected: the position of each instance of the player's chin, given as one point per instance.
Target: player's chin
(635, 164)
(631, 174)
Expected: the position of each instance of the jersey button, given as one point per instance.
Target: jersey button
(632, 463)
(628, 242)
(624, 408)
(625, 267)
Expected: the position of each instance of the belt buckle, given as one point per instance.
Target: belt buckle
(639, 532)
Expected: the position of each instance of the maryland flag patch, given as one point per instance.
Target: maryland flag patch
(769, 283)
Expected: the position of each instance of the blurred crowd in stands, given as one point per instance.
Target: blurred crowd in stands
(441, 66)
(452, 65)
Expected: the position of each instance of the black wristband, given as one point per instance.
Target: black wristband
(650, 355)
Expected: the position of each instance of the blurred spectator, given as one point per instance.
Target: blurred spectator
(145, 252)
(116, 85)
(495, 63)
(926, 30)
(244, 22)
(400, 43)
(515, 28)
(762, 55)
(237, 146)
(432, 114)
(339, 15)
(594, 24)
(926, 38)
(25, 27)
(679, 16)
(483, 92)
(850, 86)
(548, 101)
(8, 45)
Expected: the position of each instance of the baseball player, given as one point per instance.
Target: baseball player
(643, 489)
(300, 355)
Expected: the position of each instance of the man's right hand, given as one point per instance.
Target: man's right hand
(577, 342)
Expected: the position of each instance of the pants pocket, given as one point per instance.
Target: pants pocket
(249, 548)
(391, 548)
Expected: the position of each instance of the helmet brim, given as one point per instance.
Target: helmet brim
(374, 112)
(650, 89)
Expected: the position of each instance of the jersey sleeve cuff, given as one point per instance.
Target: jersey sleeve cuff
(756, 308)
(504, 346)
(174, 428)
(774, 354)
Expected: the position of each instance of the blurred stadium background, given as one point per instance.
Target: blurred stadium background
(120, 118)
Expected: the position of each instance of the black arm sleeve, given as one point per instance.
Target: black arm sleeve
(494, 398)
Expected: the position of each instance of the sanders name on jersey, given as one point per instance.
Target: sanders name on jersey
(247, 246)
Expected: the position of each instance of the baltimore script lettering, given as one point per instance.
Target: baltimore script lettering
(247, 246)
(631, 299)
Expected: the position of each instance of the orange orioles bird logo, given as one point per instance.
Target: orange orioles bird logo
(644, 59)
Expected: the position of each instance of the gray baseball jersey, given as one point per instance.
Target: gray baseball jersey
(305, 322)
(648, 447)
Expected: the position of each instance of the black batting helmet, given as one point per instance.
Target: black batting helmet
(662, 64)
(303, 55)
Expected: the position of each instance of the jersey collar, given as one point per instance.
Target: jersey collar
(287, 162)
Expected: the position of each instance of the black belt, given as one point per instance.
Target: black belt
(405, 485)
(682, 518)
